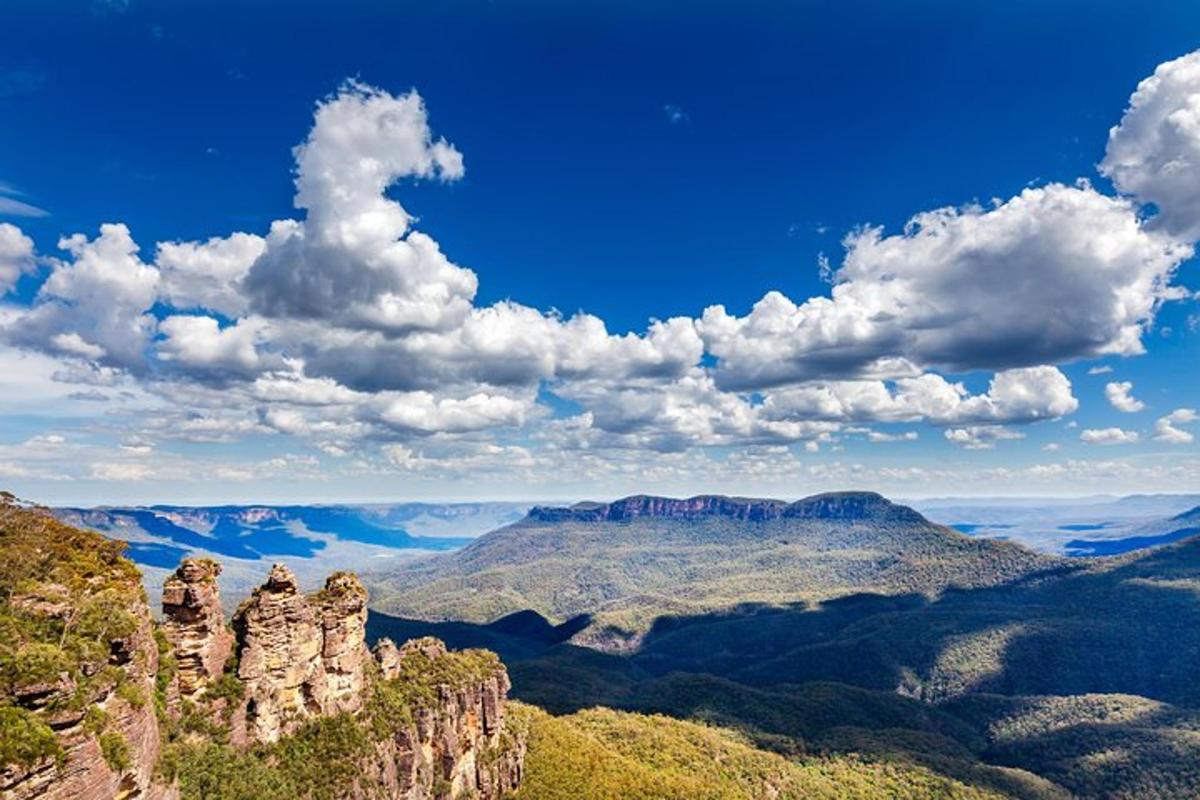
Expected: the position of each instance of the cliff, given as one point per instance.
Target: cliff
(78, 663)
(833, 505)
(414, 722)
(99, 702)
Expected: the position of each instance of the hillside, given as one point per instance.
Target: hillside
(632, 562)
(601, 754)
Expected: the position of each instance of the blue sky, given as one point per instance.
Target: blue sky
(631, 161)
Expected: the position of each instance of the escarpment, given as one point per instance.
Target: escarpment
(99, 702)
(829, 506)
(78, 662)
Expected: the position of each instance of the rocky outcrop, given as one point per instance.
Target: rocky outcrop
(301, 658)
(280, 641)
(342, 611)
(80, 720)
(834, 505)
(458, 743)
(194, 624)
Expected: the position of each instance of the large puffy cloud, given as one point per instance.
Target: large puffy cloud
(1013, 396)
(1154, 153)
(201, 346)
(96, 305)
(1056, 273)
(16, 256)
(502, 345)
(354, 260)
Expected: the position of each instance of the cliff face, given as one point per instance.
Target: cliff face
(96, 704)
(460, 743)
(300, 657)
(79, 663)
(834, 505)
(194, 625)
(435, 718)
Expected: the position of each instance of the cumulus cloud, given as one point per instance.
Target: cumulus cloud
(1108, 436)
(202, 346)
(1013, 396)
(354, 260)
(1167, 429)
(208, 275)
(1118, 394)
(1154, 153)
(981, 437)
(95, 305)
(1078, 273)
(16, 256)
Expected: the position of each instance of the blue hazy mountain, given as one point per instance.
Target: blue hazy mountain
(313, 540)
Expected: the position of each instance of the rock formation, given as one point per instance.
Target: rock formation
(300, 657)
(279, 657)
(428, 724)
(459, 744)
(195, 625)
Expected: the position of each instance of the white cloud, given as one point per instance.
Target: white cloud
(1013, 396)
(354, 260)
(422, 413)
(1154, 153)
(202, 345)
(94, 305)
(1101, 370)
(1167, 429)
(1054, 274)
(1118, 394)
(981, 437)
(1108, 436)
(16, 256)
(208, 275)
(880, 436)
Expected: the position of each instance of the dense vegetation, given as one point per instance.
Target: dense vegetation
(601, 754)
(67, 603)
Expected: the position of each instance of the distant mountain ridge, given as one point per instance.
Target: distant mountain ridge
(313, 540)
(1152, 534)
(634, 560)
(831, 505)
